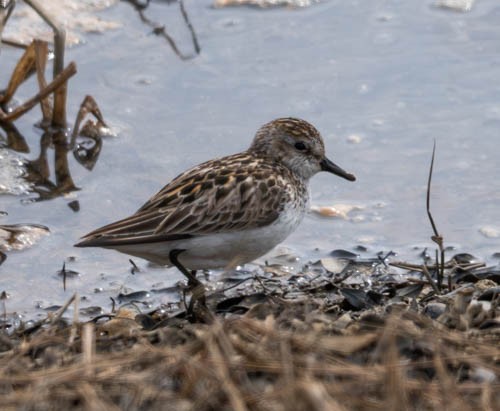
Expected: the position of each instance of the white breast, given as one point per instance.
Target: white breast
(223, 250)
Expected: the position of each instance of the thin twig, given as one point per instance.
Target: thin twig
(63, 309)
(64, 275)
(429, 279)
(160, 30)
(437, 238)
(453, 265)
(197, 48)
(235, 285)
(14, 43)
(436, 234)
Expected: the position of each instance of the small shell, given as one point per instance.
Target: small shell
(337, 211)
(490, 232)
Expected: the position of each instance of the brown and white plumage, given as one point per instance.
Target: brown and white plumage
(228, 211)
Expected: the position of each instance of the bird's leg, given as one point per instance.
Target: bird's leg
(192, 280)
(191, 275)
(195, 285)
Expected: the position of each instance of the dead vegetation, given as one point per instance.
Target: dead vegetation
(52, 99)
(344, 334)
(278, 355)
(160, 30)
(84, 142)
(326, 341)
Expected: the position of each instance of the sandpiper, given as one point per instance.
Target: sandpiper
(228, 211)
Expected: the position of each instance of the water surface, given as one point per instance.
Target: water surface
(382, 80)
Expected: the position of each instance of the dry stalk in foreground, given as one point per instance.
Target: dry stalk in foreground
(281, 356)
(437, 238)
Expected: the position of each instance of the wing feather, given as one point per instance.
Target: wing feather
(232, 193)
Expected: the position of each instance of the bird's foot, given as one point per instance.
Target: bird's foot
(196, 310)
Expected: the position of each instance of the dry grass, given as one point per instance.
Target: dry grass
(278, 356)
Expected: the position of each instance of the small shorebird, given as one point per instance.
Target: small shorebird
(228, 211)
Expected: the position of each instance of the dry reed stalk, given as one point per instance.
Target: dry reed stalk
(41, 53)
(395, 379)
(288, 377)
(88, 347)
(58, 82)
(262, 365)
(23, 69)
(486, 398)
(63, 309)
(448, 392)
(222, 363)
(317, 397)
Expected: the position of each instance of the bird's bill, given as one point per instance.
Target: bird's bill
(331, 167)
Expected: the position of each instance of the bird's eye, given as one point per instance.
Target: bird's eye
(300, 146)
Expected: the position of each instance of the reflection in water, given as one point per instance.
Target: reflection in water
(85, 144)
(13, 138)
(34, 176)
(12, 173)
(87, 151)
(38, 171)
(52, 100)
(20, 236)
(20, 175)
(87, 140)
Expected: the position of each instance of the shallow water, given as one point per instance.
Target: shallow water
(381, 80)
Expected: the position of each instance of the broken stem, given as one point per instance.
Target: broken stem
(59, 112)
(190, 27)
(437, 238)
(430, 280)
(58, 82)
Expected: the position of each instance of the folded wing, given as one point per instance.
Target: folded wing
(209, 198)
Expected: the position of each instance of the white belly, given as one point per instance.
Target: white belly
(222, 250)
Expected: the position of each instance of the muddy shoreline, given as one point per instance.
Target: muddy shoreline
(274, 342)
